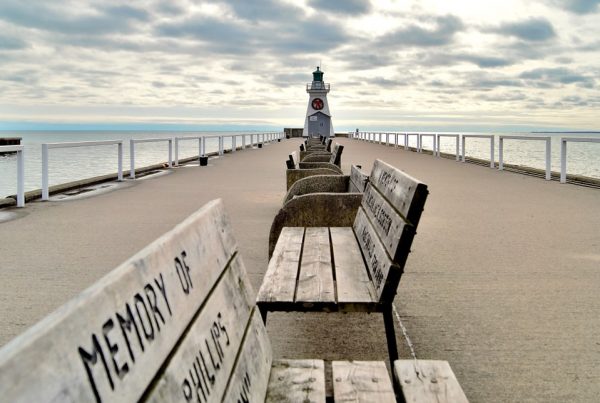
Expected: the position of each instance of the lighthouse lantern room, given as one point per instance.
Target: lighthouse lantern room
(318, 118)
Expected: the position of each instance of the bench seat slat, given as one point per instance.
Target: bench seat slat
(362, 381)
(279, 283)
(297, 381)
(210, 346)
(353, 283)
(315, 281)
(250, 378)
(428, 381)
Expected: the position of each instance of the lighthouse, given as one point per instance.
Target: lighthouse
(318, 118)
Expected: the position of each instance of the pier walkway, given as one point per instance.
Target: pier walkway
(503, 281)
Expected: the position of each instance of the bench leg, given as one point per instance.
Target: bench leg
(390, 334)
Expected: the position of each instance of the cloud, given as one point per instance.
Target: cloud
(549, 77)
(223, 36)
(577, 6)
(449, 59)
(262, 10)
(11, 43)
(533, 29)
(53, 17)
(440, 31)
(348, 7)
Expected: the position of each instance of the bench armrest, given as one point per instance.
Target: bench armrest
(318, 184)
(309, 165)
(315, 210)
(292, 175)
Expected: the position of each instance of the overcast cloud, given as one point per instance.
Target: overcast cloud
(533, 63)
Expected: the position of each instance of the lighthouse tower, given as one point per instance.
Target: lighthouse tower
(318, 118)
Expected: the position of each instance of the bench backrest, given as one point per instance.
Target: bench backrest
(293, 160)
(386, 222)
(336, 155)
(358, 180)
(175, 322)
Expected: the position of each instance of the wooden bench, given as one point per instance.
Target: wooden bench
(353, 183)
(297, 170)
(176, 322)
(321, 268)
(316, 146)
(334, 157)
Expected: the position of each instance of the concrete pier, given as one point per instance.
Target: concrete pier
(503, 281)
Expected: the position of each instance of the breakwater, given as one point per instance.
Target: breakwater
(91, 162)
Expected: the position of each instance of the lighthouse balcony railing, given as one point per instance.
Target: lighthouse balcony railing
(318, 85)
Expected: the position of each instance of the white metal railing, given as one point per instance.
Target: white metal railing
(265, 137)
(371, 137)
(548, 151)
(201, 146)
(482, 136)
(456, 136)
(563, 152)
(420, 142)
(132, 143)
(20, 150)
(407, 136)
(47, 146)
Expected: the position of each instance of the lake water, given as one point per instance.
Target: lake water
(582, 158)
(72, 164)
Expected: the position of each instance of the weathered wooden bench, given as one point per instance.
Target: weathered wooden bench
(306, 157)
(297, 170)
(320, 200)
(321, 268)
(306, 146)
(176, 322)
(353, 183)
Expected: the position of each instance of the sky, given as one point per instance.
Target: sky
(392, 65)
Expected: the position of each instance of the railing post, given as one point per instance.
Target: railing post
(492, 151)
(21, 178)
(406, 141)
(436, 150)
(457, 148)
(45, 193)
(132, 158)
(221, 151)
(233, 143)
(563, 160)
(434, 144)
(548, 158)
(463, 147)
(500, 153)
(176, 152)
(120, 162)
(243, 141)
(170, 153)
(203, 147)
